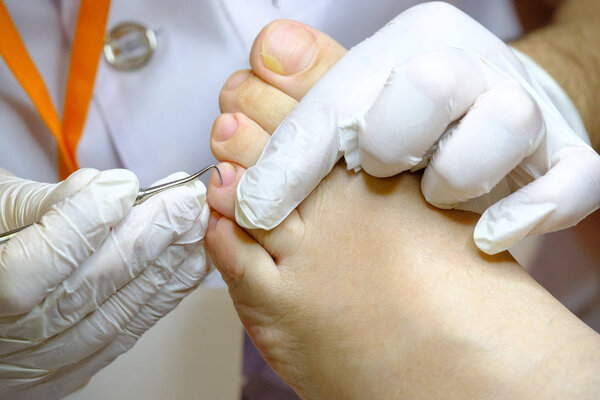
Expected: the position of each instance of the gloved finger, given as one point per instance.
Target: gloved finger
(70, 377)
(23, 201)
(417, 103)
(184, 280)
(503, 127)
(36, 260)
(140, 238)
(300, 153)
(561, 198)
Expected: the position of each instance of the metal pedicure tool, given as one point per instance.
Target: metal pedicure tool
(143, 195)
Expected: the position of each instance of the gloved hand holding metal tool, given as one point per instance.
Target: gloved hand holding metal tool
(81, 286)
(435, 89)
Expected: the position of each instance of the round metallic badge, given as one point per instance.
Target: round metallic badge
(129, 46)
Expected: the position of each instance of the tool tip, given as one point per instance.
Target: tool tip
(218, 174)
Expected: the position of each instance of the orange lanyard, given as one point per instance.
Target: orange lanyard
(85, 54)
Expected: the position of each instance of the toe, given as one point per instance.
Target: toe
(280, 242)
(292, 56)
(246, 93)
(221, 193)
(238, 139)
(246, 267)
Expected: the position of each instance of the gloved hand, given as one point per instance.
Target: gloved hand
(79, 288)
(434, 88)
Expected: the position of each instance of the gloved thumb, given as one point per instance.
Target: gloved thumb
(23, 201)
(298, 156)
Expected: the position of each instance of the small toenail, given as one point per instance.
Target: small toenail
(228, 173)
(213, 220)
(226, 127)
(288, 48)
(236, 79)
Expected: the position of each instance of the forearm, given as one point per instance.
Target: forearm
(569, 50)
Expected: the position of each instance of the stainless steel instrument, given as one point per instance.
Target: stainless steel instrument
(143, 195)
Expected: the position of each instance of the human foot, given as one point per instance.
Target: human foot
(367, 292)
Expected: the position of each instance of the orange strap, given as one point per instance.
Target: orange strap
(85, 54)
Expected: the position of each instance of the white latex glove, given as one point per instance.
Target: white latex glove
(435, 87)
(79, 288)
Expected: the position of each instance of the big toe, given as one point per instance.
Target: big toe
(292, 56)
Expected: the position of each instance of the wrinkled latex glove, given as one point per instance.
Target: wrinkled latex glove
(434, 88)
(79, 288)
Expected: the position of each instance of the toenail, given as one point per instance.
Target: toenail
(236, 79)
(288, 48)
(213, 220)
(226, 127)
(228, 173)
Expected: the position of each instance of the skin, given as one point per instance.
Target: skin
(575, 68)
(366, 291)
(569, 50)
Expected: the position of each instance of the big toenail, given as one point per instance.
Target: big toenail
(226, 127)
(288, 48)
(236, 79)
(228, 173)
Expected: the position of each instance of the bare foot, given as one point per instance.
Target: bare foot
(367, 292)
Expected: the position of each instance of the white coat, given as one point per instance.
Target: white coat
(156, 120)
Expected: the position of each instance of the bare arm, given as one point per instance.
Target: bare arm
(569, 50)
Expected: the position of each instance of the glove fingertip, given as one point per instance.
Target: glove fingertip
(78, 180)
(261, 199)
(486, 242)
(505, 223)
(496, 231)
(120, 184)
(245, 217)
